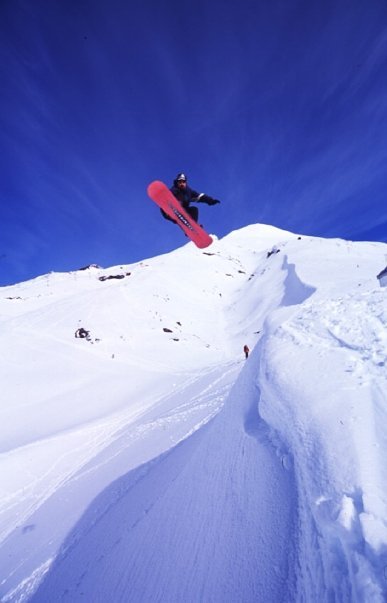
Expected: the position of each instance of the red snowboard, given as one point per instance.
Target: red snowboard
(160, 194)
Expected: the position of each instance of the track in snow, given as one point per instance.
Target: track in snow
(212, 519)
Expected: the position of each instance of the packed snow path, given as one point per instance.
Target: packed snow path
(198, 523)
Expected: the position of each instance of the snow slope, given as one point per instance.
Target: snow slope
(152, 462)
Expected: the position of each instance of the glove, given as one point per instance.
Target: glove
(211, 201)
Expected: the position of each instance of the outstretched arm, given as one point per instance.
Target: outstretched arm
(203, 198)
(207, 199)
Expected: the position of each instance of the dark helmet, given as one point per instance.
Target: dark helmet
(181, 177)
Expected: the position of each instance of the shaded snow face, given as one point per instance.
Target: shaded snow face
(159, 445)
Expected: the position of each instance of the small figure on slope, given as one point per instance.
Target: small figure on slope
(186, 195)
(246, 351)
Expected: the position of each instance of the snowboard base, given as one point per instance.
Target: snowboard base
(162, 196)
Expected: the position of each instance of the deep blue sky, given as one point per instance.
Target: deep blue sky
(276, 107)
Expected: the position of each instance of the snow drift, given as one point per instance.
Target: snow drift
(152, 462)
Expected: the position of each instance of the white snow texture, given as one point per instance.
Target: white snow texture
(152, 462)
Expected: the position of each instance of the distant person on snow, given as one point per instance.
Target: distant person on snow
(186, 195)
(246, 351)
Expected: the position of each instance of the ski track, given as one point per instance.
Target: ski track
(117, 442)
(210, 521)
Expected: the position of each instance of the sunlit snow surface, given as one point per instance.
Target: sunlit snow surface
(152, 462)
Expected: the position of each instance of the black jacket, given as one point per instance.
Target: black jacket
(187, 195)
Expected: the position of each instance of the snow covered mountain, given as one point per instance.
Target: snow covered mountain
(152, 462)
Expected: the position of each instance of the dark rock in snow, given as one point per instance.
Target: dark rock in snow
(81, 333)
(111, 276)
(382, 277)
(90, 266)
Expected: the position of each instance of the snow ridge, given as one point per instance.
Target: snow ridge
(178, 469)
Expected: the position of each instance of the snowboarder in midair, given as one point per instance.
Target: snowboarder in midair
(186, 195)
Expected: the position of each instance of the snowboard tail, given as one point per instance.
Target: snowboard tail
(162, 196)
